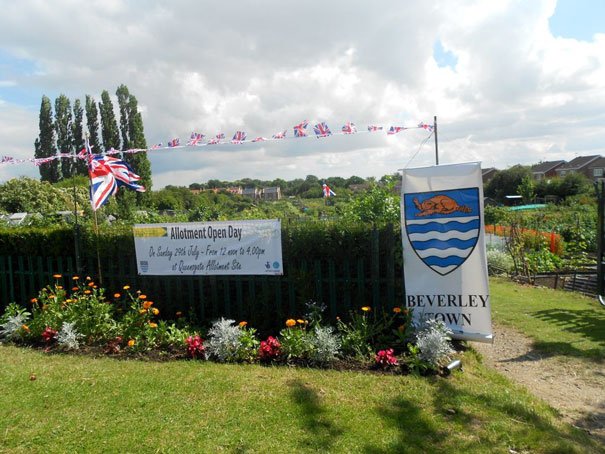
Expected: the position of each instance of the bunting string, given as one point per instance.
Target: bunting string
(320, 130)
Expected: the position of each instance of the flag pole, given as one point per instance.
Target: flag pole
(436, 146)
(88, 160)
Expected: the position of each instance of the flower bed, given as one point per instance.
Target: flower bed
(83, 318)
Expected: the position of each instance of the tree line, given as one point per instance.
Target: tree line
(62, 131)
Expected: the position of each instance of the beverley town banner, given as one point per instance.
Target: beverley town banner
(209, 248)
(444, 248)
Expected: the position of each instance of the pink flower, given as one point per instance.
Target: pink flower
(49, 334)
(269, 349)
(386, 358)
(195, 346)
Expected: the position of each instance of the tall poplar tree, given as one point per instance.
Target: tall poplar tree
(123, 95)
(133, 136)
(45, 143)
(77, 132)
(63, 125)
(92, 123)
(109, 126)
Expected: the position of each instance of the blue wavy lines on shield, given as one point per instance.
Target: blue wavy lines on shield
(443, 245)
(471, 224)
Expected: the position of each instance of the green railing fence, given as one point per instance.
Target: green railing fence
(374, 279)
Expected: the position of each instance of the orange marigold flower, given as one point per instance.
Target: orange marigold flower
(33, 300)
(52, 297)
(155, 311)
(57, 276)
(243, 323)
(60, 287)
(301, 322)
(366, 308)
(131, 343)
(116, 295)
(25, 328)
(69, 300)
(126, 287)
(179, 314)
(74, 289)
(397, 310)
(91, 284)
(87, 292)
(153, 325)
(75, 278)
(94, 286)
(142, 311)
(290, 322)
(147, 304)
(143, 297)
(88, 278)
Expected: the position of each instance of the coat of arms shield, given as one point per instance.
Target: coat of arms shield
(443, 226)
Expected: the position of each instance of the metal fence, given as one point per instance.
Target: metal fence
(374, 280)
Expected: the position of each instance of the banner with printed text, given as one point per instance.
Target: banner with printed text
(445, 263)
(209, 248)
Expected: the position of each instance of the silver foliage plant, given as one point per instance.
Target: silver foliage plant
(433, 340)
(223, 340)
(326, 345)
(68, 336)
(10, 329)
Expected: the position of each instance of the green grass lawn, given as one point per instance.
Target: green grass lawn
(560, 323)
(85, 404)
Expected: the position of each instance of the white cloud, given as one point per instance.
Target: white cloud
(517, 94)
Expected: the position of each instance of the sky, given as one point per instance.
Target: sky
(510, 81)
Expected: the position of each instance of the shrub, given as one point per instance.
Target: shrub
(499, 262)
(68, 337)
(195, 347)
(326, 345)
(224, 340)
(433, 342)
(297, 344)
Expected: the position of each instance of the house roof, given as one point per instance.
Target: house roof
(578, 163)
(488, 171)
(546, 166)
(598, 163)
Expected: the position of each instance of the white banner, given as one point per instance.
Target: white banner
(209, 248)
(444, 257)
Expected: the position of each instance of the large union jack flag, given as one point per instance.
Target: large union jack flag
(107, 174)
(300, 130)
(322, 130)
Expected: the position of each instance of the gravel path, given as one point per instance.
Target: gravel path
(575, 387)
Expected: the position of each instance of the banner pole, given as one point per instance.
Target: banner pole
(436, 146)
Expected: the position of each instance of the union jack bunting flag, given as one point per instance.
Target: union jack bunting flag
(373, 128)
(259, 139)
(174, 142)
(300, 130)
(280, 135)
(6, 159)
(327, 191)
(238, 137)
(220, 136)
(395, 129)
(426, 126)
(214, 141)
(349, 128)
(322, 130)
(156, 146)
(195, 139)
